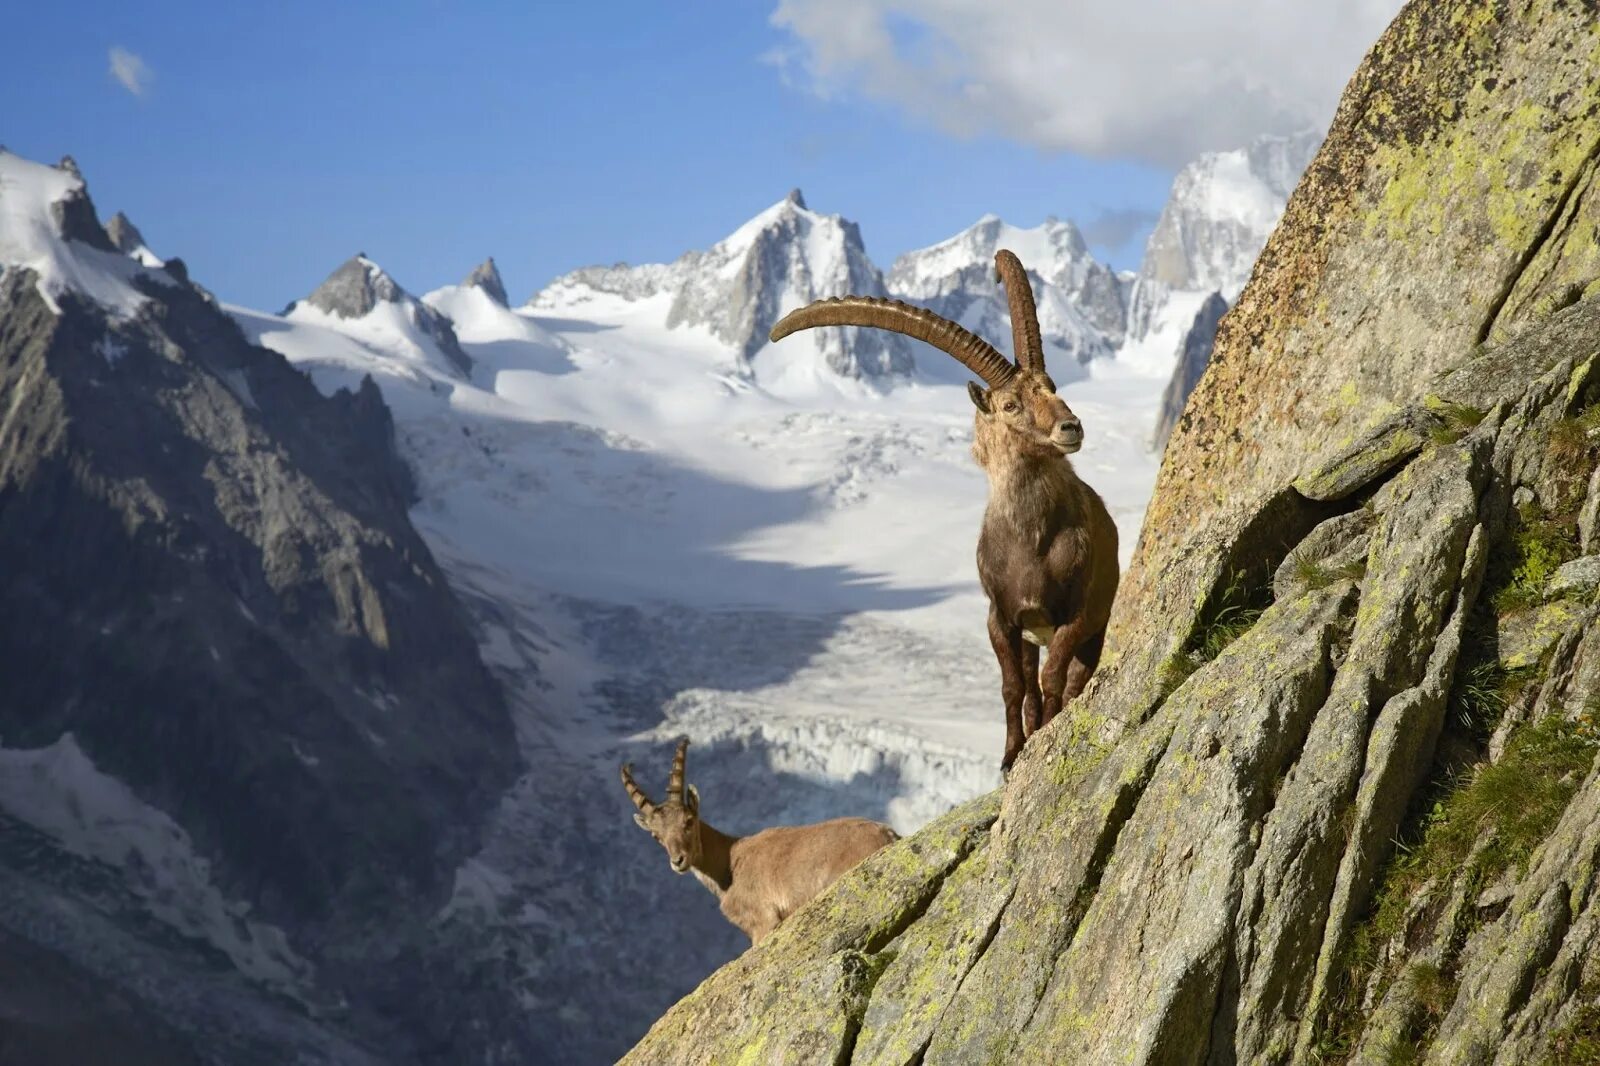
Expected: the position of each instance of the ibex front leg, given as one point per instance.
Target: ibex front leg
(1063, 647)
(1007, 642)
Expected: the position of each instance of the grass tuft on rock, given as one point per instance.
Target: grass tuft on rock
(1315, 575)
(1536, 549)
(1456, 420)
(1228, 615)
(1578, 1042)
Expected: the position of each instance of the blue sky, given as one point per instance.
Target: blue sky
(269, 143)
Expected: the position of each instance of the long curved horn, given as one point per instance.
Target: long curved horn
(1028, 348)
(675, 793)
(969, 349)
(635, 793)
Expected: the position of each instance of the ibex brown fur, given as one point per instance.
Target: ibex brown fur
(759, 880)
(1047, 555)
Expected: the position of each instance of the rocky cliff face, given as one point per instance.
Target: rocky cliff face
(247, 733)
(1362, 609)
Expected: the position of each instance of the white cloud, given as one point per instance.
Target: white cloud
(130, 71)
(1141, 79)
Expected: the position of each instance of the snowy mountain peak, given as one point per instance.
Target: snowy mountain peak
(361, 292)
(129, 241)
(356, 287)
(486, 276)
(1222, 208)
(48, 225)
(1081, 305)
(783, 258)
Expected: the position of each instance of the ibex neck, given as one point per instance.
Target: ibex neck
(715, 868)
(1027, 492)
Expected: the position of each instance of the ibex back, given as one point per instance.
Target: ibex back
(1047, 553)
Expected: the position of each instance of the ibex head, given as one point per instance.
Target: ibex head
(1020, 404)
(675, 822)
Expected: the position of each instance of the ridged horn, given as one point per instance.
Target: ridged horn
(635, 793)
(969, 349)
(675, 793)
(1025, 341)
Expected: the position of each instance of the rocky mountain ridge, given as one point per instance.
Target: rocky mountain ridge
(248, 733)
(1221, 209)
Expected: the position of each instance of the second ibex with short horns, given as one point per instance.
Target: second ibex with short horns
(1047, 555)
(759, 880)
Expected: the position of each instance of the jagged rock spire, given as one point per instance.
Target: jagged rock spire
(355, 288)
(486, 276)
(124, 234)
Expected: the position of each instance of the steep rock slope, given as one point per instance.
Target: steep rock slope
(1345, 623)
(248, 735)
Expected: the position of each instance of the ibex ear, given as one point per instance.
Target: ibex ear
(980, 399)
(694, 800)
(638, 820)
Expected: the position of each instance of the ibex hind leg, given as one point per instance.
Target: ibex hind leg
(1082, 667)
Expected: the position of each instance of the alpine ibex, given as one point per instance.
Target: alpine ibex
(762, 879)
(1047, 555)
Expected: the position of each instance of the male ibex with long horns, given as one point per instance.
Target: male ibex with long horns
(1047, 555)
(759, 880)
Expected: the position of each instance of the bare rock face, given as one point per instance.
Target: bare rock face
(1196, 863)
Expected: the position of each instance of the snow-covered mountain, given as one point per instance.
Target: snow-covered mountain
(362, 301)
(1081, 301)
(1221, 211)
(783, 258)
